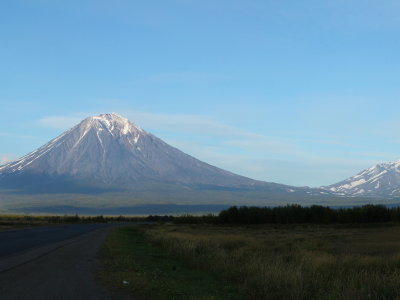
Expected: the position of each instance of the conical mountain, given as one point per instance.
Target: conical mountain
(381, 180)
(111, 151)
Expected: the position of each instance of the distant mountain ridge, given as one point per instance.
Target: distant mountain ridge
(382, 180)
(111, 151)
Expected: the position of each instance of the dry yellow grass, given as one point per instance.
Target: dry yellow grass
(292, 262)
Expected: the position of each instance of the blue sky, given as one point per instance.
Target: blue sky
(295, 92)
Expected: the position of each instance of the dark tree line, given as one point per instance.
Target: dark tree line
(157, 218)
(294, 213)
(105, 219)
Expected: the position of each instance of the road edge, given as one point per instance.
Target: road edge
(20, 258)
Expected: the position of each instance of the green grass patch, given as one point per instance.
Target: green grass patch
(154, 274)
(292, 263)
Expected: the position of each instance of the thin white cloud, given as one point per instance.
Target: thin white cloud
(183, 123)
(19, 136)
(58, 122)
(7, 158)
(200, 125)
(307, 169)
(232, 136)
(28, 137)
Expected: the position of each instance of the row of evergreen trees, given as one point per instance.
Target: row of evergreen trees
(295, 213)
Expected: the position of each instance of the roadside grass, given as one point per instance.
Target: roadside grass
(290, 262)
(151, 273)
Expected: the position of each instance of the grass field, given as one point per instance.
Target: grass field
(145, 272)
(283, 262)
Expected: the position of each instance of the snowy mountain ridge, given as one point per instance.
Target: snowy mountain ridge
(380, 180)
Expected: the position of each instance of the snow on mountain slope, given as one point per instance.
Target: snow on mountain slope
(112, 150)
(380, 180)
(72, 141)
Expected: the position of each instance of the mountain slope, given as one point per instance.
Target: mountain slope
(380, 180)
(111, 151)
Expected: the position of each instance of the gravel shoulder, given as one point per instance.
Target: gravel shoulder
(68, 271)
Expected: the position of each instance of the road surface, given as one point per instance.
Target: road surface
(53, 263)
(15, 241)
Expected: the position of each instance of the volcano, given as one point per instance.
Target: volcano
(110, 152)
(381, 180)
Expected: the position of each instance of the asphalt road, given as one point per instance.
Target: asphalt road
(63, 270)
(16, 241)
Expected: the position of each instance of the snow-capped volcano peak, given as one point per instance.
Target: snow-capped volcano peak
(376, 180)
(100, 130)
(114, 123)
